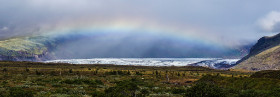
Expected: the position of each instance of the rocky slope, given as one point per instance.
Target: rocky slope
(264, 55)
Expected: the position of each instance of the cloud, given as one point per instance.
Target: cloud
(4, 29)
(220, 21)
(271, 22)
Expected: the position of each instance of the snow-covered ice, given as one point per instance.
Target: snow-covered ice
(206, 62)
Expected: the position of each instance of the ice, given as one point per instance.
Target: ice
(216, 63)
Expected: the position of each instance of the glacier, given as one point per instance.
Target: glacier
(216, 63)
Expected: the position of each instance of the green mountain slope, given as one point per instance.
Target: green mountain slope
(26, 49)
(265, 55)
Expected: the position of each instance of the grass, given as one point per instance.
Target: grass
(27, 79)
(254, 86)
(53, 79)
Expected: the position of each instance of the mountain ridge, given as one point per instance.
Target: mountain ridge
(264, 55)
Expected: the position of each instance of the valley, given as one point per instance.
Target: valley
(139, 48)
(119, 77)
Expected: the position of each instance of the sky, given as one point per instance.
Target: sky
(224, 22)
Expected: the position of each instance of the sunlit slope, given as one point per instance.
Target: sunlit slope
(25, 48)
(265, 55)
(266, 60)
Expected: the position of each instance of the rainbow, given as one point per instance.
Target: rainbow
(174, 31)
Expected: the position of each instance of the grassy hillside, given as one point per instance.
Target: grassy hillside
(24, 47)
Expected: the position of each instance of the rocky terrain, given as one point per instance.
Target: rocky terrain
(264, 55)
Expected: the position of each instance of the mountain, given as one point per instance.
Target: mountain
(264, 55)
(26, 49)
(135, 45)
(85, 46)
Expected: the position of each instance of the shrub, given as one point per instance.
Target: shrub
(123, 89)
(99, 82)
(97, 94)
(119, 72)
(70, 71)
(53, 73)
(38, 73)
(275, 92)
(4, 93)
(63, 91)
(128, 72)
(5, 70)
(145, 92)
(253, 93)
(19, 92)
(27, 70)
(205, 90)
(178, 90)
(138, 73)
(83, 81)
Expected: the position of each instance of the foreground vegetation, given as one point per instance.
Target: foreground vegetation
(28, 79)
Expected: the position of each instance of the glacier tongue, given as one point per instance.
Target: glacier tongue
(216, 63)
